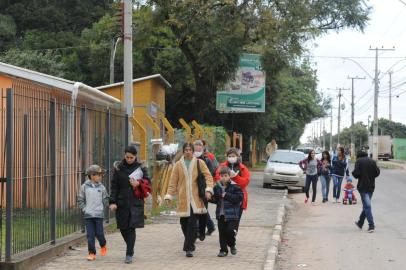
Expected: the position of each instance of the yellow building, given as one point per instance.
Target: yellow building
(149, 109)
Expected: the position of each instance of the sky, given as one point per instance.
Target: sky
(386, 29)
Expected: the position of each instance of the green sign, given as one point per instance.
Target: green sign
(246, 93)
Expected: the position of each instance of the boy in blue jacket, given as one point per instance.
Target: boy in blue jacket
(228, 197)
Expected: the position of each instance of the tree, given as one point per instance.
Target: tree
(212, 34)
(387, 127)
(42, 62)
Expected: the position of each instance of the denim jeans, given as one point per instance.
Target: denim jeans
(311, 179)
(94, 229)
(337, 180)
(325, 185)
(366, 198)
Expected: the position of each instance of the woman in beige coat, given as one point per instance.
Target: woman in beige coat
(183, 184)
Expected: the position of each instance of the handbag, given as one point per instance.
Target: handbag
(201, 182)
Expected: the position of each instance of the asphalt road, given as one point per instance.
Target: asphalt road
(325, 237)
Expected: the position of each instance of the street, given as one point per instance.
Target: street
(325, 237)
(159, 246)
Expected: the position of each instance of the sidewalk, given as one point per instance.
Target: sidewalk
(159, 246)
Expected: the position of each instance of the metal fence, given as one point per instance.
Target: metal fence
(46, 142)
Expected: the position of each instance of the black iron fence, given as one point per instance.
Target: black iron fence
(46, 143)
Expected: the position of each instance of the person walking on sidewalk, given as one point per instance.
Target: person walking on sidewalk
(92, 200)
(239, 174)
(339, 169)
(128, 177)
(184, 184)
(228, 197)
(366, 171)
(199, 154)
(311, 166)
(325, 175)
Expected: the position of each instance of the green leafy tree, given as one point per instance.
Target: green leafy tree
(387, 127)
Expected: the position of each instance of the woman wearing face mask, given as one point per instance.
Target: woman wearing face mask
(239, 174)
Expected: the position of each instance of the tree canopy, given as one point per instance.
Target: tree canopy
(195, 45)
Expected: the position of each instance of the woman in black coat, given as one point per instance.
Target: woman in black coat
(129, 208)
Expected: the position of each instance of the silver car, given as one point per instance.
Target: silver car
(282, 169)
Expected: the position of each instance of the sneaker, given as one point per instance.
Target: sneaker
(189, 254)
(103, 251)
(358, 225)
(306, 200)
(233, 251)
(209, 232)
(222, 254)
(371, 229)
(202, 237)
(324, 201)
(314, 204)
(128, 259)
(91, 257)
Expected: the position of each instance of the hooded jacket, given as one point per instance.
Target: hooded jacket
(92, 199)
(366, 171)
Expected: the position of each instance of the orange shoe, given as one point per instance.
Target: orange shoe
(91, 257)
(103, 251)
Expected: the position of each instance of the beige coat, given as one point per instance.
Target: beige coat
(183, 184)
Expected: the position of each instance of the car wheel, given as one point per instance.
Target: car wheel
(267, 185)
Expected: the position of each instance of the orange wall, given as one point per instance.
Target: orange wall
(5, 82)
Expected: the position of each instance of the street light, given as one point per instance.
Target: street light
(112, 57)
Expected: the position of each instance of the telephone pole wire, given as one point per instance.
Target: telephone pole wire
(376, 96)
(390, 95)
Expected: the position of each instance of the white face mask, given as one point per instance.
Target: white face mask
(232, 160)
(198, 154)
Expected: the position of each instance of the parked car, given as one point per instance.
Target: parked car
(282, 170)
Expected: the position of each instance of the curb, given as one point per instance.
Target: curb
(276, 239)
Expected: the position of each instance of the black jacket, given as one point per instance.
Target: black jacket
(366, 171)
(232, 201)
(209, 164)
(130, 210)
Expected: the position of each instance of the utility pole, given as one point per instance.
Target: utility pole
(324, 135)
(331, 129)
(376, 81)
(352, 114)
(128, 63)
(339, 112)
(390, 95)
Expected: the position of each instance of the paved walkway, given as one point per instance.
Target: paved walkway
(159, 246)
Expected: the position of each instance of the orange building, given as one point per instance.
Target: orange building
(149, 110)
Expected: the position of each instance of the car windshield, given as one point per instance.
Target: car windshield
(286, 157)
(304, 150)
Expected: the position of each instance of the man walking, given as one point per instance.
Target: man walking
(366, 171)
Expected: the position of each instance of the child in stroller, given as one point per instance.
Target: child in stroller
(349, 195)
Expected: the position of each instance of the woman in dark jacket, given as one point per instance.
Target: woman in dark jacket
(129, 207)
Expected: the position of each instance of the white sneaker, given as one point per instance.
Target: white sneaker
(314, 203)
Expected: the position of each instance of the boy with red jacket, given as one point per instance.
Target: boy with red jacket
(239, 174)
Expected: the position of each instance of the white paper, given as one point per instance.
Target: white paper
(137, 174)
